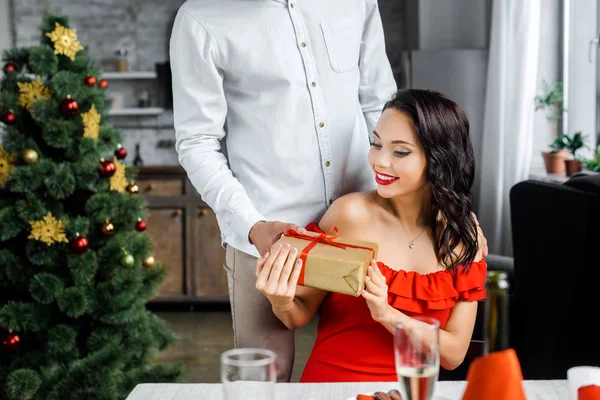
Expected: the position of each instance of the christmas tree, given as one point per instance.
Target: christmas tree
(76, 267)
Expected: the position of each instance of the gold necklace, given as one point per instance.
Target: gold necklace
(411, 242)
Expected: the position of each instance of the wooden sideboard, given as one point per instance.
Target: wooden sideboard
(185, 235)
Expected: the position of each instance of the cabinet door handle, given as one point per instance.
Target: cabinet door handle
(150, 187)
(177, 213)
(202, 212)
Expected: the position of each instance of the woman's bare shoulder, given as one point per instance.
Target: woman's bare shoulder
(350, 211)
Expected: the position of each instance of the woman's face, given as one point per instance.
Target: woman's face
(396, 156)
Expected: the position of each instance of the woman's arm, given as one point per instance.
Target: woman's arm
(277, 276)
(454, 338)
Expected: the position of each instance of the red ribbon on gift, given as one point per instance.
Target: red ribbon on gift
(325, 238)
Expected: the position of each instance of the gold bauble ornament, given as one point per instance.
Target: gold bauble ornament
(30, 156)
(133, 188)
(149, 262)
(108, 228)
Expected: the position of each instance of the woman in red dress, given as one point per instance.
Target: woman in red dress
(429, 258)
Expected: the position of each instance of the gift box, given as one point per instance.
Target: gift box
(330, 262)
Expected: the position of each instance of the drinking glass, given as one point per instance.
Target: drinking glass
(248, 373)
(417, 352)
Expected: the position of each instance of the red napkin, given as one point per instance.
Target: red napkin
(496, 376)
(364, 397)
(590, 392)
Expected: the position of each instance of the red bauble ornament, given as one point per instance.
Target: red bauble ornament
(69, 107)
(107, 168)
(90, 81)
(8, 118)
(79, 244)
(140, 226)
(11, 342)
(121, 153)
(10, 67)
(103, 83)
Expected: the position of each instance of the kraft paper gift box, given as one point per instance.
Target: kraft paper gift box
(330, 262)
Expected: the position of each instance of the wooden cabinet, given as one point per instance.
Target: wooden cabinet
(185, 236)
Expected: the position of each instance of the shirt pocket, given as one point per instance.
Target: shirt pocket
(342, 40)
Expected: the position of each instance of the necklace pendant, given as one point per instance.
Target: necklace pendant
(411, 245)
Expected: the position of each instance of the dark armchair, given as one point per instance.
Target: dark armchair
(556, 243)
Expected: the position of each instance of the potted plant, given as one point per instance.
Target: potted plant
(551, 100)
(594, 163)
(574, 143)
(554, 160)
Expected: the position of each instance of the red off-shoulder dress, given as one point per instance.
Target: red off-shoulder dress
(351, 347)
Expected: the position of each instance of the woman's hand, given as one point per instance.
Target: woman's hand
(277, 275)
(376, 294)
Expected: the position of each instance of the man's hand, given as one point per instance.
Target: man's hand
(481, 238)
(264, 233)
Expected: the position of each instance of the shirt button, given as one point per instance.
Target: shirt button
(321, 124)
(292, 5)
(314, 84)
(327, 164)
(303, 44)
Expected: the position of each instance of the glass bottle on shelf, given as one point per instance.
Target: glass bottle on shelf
(122, 60)
(137, 160)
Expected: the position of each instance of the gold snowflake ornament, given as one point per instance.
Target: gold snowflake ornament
(118, 181)
(65, 41)
(48, 230)
(6, 166)
(30, 92)
(91, 123)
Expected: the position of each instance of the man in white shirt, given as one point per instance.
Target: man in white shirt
(294, 86)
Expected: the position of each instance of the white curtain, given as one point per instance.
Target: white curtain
(509, 114)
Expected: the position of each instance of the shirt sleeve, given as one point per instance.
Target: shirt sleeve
(377, 84)
(199, 112)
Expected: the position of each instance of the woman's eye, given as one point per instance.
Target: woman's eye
(401, 153)
(377, 146)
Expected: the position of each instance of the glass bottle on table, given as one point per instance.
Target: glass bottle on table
(496, 330)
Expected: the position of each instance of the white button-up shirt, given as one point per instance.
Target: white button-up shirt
(293, 87)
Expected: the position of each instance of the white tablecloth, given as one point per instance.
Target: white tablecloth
(448, 390)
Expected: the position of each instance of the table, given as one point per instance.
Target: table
(447, 390)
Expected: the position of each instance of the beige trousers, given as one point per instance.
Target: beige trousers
(254, 324)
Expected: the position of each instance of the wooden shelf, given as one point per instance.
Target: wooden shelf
(121, 112)
(129, 75)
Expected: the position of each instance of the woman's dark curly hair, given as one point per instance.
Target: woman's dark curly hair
(443, 131)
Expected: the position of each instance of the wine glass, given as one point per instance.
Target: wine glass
(248, 373)
(417, 352)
